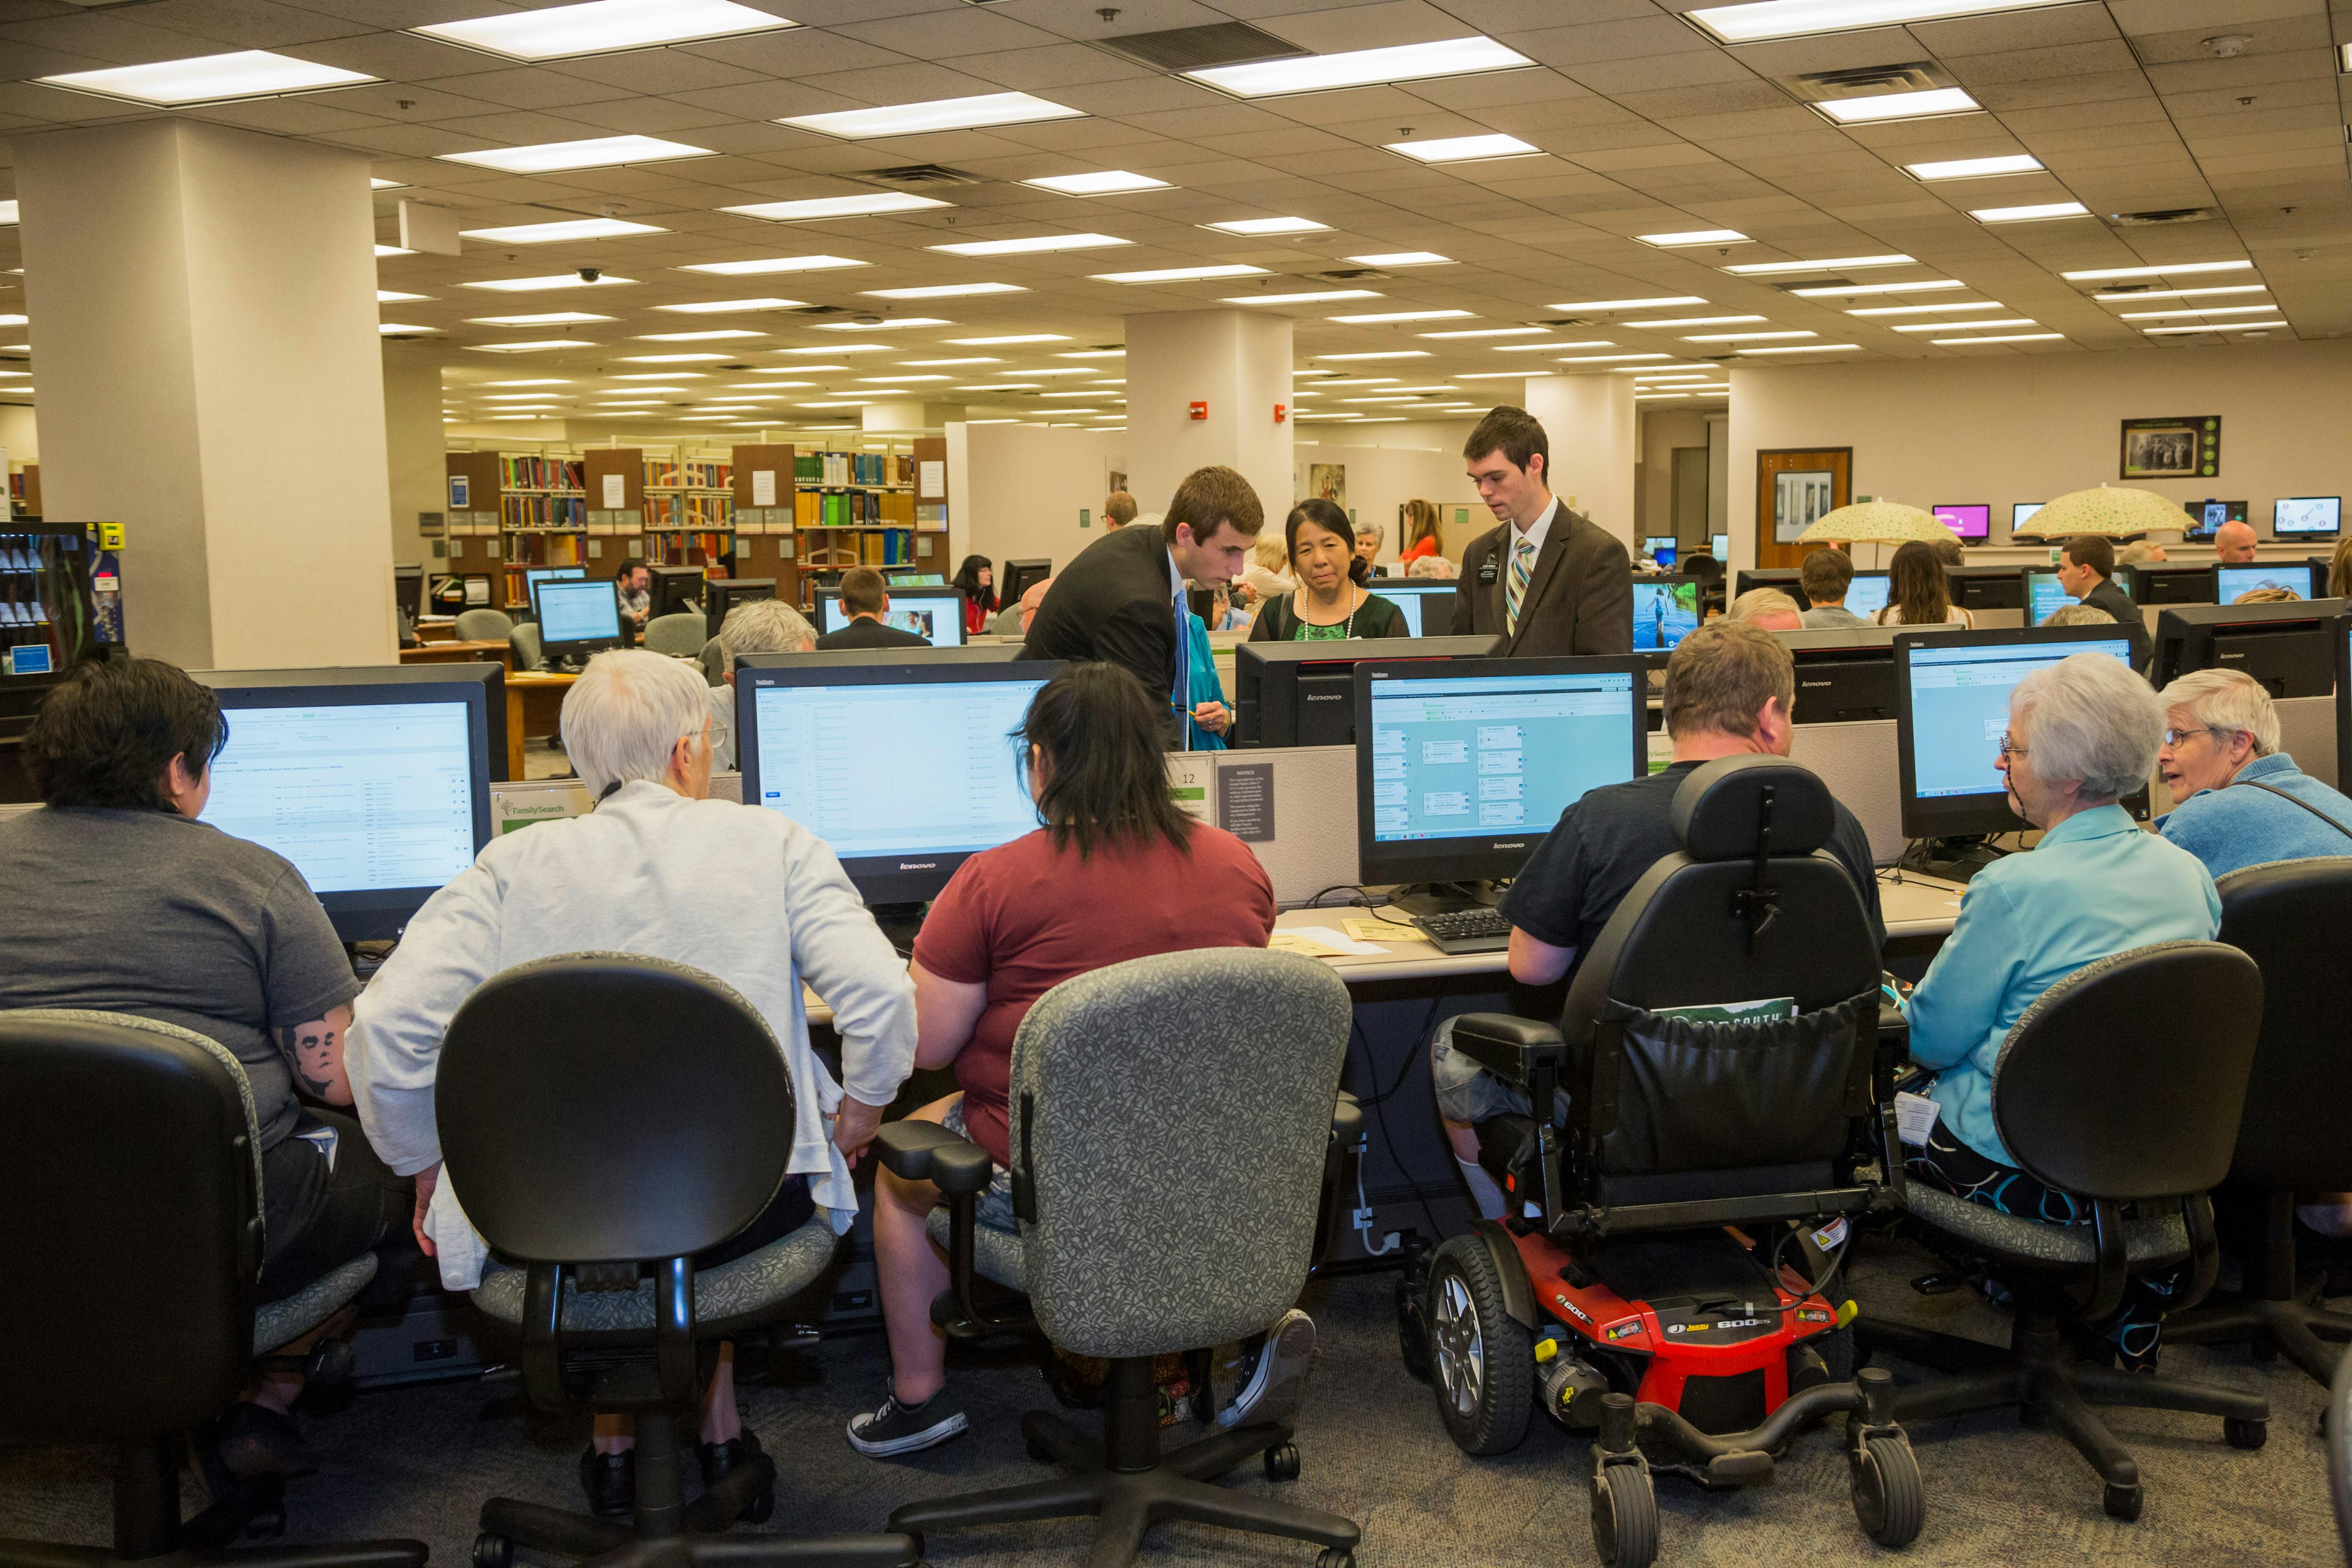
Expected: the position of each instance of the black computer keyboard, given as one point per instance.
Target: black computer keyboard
(1482, 930)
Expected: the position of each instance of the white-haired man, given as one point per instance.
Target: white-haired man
(657, 867)
(763, 626)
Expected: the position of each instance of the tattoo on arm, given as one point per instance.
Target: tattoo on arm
(316, 1051)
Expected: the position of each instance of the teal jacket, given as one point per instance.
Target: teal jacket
(1205, 686)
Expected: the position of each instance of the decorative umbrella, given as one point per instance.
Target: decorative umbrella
(2115, 511)
(1874, 522)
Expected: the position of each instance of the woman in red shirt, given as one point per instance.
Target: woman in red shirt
(1116, 872)
(976, 578)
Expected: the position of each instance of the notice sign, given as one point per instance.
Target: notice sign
(764, 487)
(616, 491)
(1246, 801)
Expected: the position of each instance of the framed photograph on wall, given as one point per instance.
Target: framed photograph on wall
(2184, 446)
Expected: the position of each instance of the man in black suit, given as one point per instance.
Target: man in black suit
(1122, 600)
(863, 600)
(2086, 569)
(1548, 580)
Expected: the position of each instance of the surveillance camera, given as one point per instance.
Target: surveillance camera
(589, 274)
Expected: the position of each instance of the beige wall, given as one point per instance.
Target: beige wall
(1663, 430)
(1014, 491)
(19, 438)
(1387, 466)
(413, 448)
(2028, 428)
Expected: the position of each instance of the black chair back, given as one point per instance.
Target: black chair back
(609, 1107)
(131, 1230)
(2286, 916)
(2126, 1079)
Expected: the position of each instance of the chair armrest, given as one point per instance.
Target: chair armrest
(926, 1151)
(1511, 1048)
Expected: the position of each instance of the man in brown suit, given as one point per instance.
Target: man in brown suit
(1547, 581)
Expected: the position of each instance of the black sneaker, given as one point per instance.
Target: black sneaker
(898, 1428)
(610, 1482)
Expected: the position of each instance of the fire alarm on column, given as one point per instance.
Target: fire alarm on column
(1199, 410)
(1281, 412)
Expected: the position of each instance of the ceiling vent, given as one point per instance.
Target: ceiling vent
(819, 310)
(2161, 215)
(1867, 82)
(1813, 283)
(1348, 274)
(1199, 49)
(922, 175)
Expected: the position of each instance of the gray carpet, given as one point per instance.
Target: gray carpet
(418, 1462)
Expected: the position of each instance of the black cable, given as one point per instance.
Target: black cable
(1364, 898)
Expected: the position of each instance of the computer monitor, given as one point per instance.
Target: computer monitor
(2340, 637)
(2205, 517)
(1463, 767)
(935, 615)
(2020, 514)
(409, 586)
(1661, 548)
(533, 577)
(1427, 604)
(723, 594)
(374, 782)
(1719, 546)
(579, 616)
(2284, 647)
(1967, 519)
(1867, 595)
(1665, 610)
(676, 590)
(2045, 595)
(1785, 578)
(906, 767)
(1303, 693)
(1021, 575)
(1951, 695)
(1985, 587)
(914, 579)
(2232, 581)
(1845, 676)
(2306, 517)
(2167, 585)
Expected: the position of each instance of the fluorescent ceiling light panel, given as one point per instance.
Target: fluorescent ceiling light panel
(1383, 354)
(2012, 338)
(2035, 213)
(1760, 19)
(1265, 226)
(554, 281)
(879, 327)
(1034, 245)
(1657, 302)
(209, 79)
(1362, 68)
(2213, 327)
(537, 346)
(7, 213)
(1180, 274)
(1092, 354)
(2136, 294)
(715, 307)
(1834, 264)
(393, 297)
(673, 359)
(2200, 311)
(1311, 296)
(944, 290)
(1404, 316)
(1543, 348)
(1879, 108)
(1694, 237)
(771, 264)
(1967, 326)
(1012, 338)
(1607, 359)
(1107, 183)
(2180, 268)
(573, 228)
(373, 185)
(388, 328)
(1803, 349)
(1843, 290)
(713, 335)
(938, 114)
(1404, 259)
(1694, 322)
(594, 152)
(546, 319)
(659, 375)
(514, 396)
(537, 381)
(910, 378)
(1929, 310)
(976, 359)
(1496, 375)
(1975, 168)
(873, 206)
(1492, 332)
(602, 26)
(1465, 149)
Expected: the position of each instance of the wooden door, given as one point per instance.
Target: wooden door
(1794, 487)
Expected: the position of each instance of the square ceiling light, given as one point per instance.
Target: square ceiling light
(714, 307)
(1762, 20)
(713, 335)
(1938, 309)
(1975, 168)
(571, 229)
(1465, 149)
(540, 345)
(768, 264)
(874, 204)
(1387, 316)
(1966, 326)
(876, 327)
(1362, 68)
(592, 153)
(1879, 108)
(1180, 274)
(941, 292)
(1659, 301)
(938, 114)
(7, 213)
(1847, 290)
(1267, 226)
(545, 318)
(2178, 267)
(389, 327)
(1033, 246)
(1308, 296)
(1107, 183)
(209, 79)
(1834, 264)
(602, 26)
(393, 297)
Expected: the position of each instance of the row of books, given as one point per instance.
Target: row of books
(703, 474)
(542, 511)
(890, 549)
(835, 469)
(518, 471)
(690, 512)
(686, 549)
(854, 509)
(544, 550)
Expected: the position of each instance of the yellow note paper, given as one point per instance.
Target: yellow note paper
(1364, 930)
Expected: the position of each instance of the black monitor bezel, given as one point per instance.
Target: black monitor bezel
(879, 878)
(832, 591)
(2181, 626)
(1669, 579)
(1422, 588)
(1007, 597)
(2015, 520)
(1453, 859)
(1964, 816)
(2292, 569)
(1254, 663)
(666, 581)
(1787, 579)
(2295, 534)
(2341, 630)
(721, 595)
(585, 645)
(379, 914)
(1936, 511)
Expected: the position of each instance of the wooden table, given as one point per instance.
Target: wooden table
(436, 628)
(488, 651)
(534, 707)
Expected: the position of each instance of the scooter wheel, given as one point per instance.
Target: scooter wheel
(1624, 1517)
(1484, 1362)
(1889, 1499)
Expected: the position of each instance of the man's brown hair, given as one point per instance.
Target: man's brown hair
(1721, 675)
(1515, 433)
(862, 592)
(1826, 574)
(1208, 497)
(1120, 509)
(2092, 549)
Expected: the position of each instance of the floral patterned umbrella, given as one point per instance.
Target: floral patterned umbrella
(2120, 511)
(1874, 522)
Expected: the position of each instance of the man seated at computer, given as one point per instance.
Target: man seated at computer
(1767, 610)
(763, 626)
(637, 581)
(1116, 872)
(1729, 689)
(2239, 800)
(122, 901)
(2086, 569)
(742, 893)
(2233, 544)
(865, 599)
(1827, 576)
(2083, 734)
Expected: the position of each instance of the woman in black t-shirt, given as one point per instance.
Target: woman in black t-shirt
(1331, 600)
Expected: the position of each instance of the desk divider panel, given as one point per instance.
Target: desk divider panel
(1311, 791)
(2308, 733)
(1857, 761)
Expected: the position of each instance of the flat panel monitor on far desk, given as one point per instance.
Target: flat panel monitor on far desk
(1665, 610)
(2205, 517)
(533, 577)
(1303, 693)
(1845, 675)
(2167, 584)
(935, 615)
(1785, 578)
(579, 617)
(408, 587)
(1020, 576)
(2021, 515)
(2231, 583)
(1867, 595)
(723, 594)
(2045, 595)
(907, 769)
(1462, 768)
(1719, 545)
(2284, 647)
(676, 589)
(1661, 548)
(1426, 602)
(1970, 521)
(375, 783)
(2306, 517)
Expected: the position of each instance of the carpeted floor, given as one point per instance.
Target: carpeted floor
(418, 1462)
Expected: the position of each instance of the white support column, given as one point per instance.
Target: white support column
(1237, 363)
(413, 449)
(205, 301)
(1595, 444)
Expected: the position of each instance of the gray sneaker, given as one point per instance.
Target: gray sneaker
(1278, 1387)
(898, 1428)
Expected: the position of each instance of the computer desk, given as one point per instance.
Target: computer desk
(486, 651)
(534, 707)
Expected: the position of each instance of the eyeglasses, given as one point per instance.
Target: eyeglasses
(2008, 750)
(719, 733)
(2174, 737)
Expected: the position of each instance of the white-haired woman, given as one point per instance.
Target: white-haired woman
(2240, 800)
(2083, 734)
(763, 626)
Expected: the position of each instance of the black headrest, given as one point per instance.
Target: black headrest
(1717, 808)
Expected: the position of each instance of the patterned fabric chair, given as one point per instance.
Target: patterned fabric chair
(483, 625)
(2121, 1084)
(681, 636)
(1170, 1118)
(136, 1226)
(530, 652)
(604, 1117)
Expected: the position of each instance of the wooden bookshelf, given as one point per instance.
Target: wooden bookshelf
(25, 490)
(766, 544)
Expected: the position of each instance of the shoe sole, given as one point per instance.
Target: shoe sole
(1276, 1389)
(955, 1426)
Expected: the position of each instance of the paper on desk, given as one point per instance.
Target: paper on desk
(1364, 930)
(1322, 942)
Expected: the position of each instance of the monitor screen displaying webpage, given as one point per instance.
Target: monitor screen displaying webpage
(1959, 708)
(1426, 604)
(936, 618)
(1474, 757)
(2022, 513)
(1867, 595)
(575, 610)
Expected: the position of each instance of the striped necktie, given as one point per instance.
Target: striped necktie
(1523, 563)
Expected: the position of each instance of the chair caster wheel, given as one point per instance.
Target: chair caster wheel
(2246, 1434)
(1282, 1463)
(760, 1507)
(1335, 1557)
(1624, 1517)
(492, 1550)
(2122, 1502)
(1889, 1498)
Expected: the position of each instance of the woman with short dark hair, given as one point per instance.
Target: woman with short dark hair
(1331, 600)
(976, 578)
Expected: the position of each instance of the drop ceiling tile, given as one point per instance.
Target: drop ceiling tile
(23, 62)
(958, 30)
(1045, 69)
(1481, 95)
(914, 81)
(119, 40)
(2050, 27)
(409, 141)
(2246, 73)
(289, 117)
(1681, 103)
(1385, 24)
(1593, 43)
(403, 58)
(655, 71)
(652, 117)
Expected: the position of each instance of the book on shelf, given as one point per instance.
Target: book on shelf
(839, 471)
(518, 471)
(542, 511)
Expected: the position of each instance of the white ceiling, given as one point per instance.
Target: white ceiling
(1646, 125)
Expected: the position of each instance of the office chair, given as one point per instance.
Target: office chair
(2122, 1083)
(714, 663)
(681, 636)
(134, 1235)
(1170, 1117)
(2284, 916)
(484, 626)
(529, 653)
(604, 1117)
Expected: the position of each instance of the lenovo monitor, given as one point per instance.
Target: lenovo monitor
(1844, 676)
(1427, 604)
(2167, 584)
(2306, 517)
(1303, 693)
(1665, 610)
(1985, 587)
(2285, 647)
(935, 615)
(2045, 595)
(1867, 595)
(2232, 583)
(2021, 515)
(532, 576)
(1970, 521)
(1784, 578)
(2205, 517)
